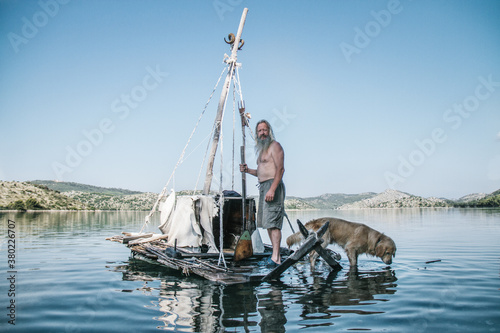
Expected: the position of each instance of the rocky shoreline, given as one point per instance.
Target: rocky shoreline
(39, 196)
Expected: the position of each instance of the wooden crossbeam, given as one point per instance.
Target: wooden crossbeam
(327, 257)
(312, 242)
(319, 248)
(306, 247)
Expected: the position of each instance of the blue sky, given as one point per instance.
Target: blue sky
(363, 95)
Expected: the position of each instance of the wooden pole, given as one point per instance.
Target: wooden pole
(222, 103)
(243, 174)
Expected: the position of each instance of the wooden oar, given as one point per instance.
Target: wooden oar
(244, 247)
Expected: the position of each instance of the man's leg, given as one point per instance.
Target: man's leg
(275, 237)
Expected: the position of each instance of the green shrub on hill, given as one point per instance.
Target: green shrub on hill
(17, 205)
(32, 203)
(490, 201)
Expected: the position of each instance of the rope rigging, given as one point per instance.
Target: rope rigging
(232, 75)
(181, 157)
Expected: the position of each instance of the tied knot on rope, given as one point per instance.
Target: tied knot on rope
(232, 39)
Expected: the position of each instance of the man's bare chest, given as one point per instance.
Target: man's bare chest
(265, 158)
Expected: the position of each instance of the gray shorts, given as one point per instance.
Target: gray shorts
(270, 214)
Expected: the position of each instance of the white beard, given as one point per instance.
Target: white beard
(262, 144)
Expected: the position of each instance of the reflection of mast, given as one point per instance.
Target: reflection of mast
(231, 61)
(200, 305)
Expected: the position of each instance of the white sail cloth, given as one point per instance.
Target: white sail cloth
(188, 219)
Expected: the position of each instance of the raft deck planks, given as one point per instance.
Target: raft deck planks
(201, 264)
(153, 249)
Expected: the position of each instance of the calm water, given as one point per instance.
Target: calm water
(68, 278)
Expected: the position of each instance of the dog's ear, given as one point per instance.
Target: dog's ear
(380, 249)
(373, 242)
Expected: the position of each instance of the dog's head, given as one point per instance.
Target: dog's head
(385, 249)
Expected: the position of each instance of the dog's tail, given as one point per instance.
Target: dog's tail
(294, 239)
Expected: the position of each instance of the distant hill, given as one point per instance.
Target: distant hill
(103, 201)
(50, 195)
(396, 199)
(68, 187)
(23, 196)
(488, 200)
(296, 203)
(471, 197)
(326, 201)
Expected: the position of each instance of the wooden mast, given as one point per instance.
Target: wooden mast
(222, 102)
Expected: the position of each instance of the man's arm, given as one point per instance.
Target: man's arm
(245, 168)
(278, 156)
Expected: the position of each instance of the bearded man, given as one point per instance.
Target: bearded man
(269, 172)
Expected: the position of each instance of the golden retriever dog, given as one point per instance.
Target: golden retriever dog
(354, 238)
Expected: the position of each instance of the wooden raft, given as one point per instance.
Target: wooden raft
(154, 249)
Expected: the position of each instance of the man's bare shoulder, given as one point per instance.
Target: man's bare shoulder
(276, 147)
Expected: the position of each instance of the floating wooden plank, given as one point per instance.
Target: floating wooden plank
(131, 237)
(118, 239)
(148, 239)
(433, 261)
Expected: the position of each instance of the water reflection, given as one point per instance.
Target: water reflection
(272, 310)
(194, 304)
(32, 225)
(65, 282)
(337, 295)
